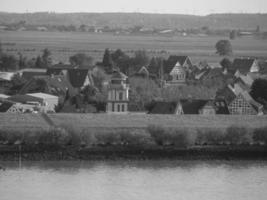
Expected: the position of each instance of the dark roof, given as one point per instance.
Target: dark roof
(172, 60)
(5, 106)
(77, 77)
(55, 85)
(226, 94)
(55, 71)
(192, 106)
(221, 107)
(28, 75)
(163, 108)
(241, 64)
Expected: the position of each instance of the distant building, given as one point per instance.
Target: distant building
(29, 73)
(48, 102)
(243, 104)
(118, 93)
(176, 68)
(190, 107)
(54, 85)
(243, 66)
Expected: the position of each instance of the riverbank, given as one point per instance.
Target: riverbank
(85, 137)
(71, 153)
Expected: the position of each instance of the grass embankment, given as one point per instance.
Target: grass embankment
(153, 141)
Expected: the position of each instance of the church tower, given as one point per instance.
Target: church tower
(118, 93)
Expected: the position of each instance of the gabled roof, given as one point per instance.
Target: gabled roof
(28, 74)
(77, 77)
(21, 98)
(221, 107)
(226, 94)
(144, 71)
(257, 106)
(118, 75)
(55, 85)
(42, 95)
(192, 106)
(5, 106)
(171, 62)
(164, 108)
(243, 65)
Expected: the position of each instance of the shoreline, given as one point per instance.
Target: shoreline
(134, 153)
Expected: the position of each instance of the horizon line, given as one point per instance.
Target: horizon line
(135, 12)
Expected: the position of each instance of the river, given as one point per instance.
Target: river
(134, 180)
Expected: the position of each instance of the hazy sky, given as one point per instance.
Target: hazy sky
(198, 7)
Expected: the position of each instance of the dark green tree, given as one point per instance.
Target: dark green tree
(8, 62)
(81, 60)
(107, 61)
(224, 48)
(259, 90)
(46, 58)
(39, 62)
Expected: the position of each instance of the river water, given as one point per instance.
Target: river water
(134, 180)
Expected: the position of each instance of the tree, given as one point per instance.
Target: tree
(8, 62)
(46, 58)
(107, 61)
(259, 90)
(226, 63)
(17, 83)
(142, 92)
(81, 60)
(98, 76)
(232, 35)
(39, 62)
(224, 47)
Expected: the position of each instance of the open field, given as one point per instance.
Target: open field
(64, 44)
(24, 122)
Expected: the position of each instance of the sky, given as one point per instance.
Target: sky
(197, 7)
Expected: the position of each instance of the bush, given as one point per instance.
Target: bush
(237, 135)
(54, 135)
(209, 137)
(169, 136)
(133, 137)
(260, 135)
(107, 138)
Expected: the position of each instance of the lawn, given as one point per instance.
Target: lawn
(65, 44)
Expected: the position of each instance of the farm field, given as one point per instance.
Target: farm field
(66, 44)
(31, 122)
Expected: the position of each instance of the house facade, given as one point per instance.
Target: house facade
(243, 104)
(176, 69)
(118, 94)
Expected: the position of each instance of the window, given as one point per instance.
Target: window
(120, 96)
(122, 108)
(118, 108)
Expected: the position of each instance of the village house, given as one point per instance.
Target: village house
(40, 102)
(5, 78)
(79, 78)
(176, 69)
(118, 93)
(29, 73)
(13, 107)
(239, 101)
(243, 66)
(54, 85)
(190, 107)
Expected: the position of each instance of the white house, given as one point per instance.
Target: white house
(118, 94)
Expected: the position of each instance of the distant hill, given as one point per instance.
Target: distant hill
(126, 20)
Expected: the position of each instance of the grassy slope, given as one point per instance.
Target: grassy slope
(24, 122)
